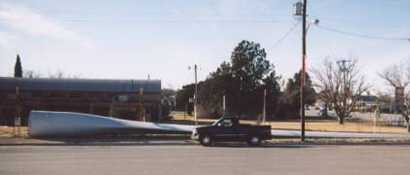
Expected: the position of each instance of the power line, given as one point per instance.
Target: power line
(361, 35)
(90, 20)
(286, 34)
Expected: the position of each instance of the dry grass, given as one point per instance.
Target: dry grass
(311, 125)
(335, 126)
(6, 131)
(318, 125)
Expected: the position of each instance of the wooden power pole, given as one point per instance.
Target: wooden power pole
(302, 78)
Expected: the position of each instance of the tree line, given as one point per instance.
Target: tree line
(243, 80)
(248, 73)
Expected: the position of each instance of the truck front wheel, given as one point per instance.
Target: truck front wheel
(206, 140)
(254, 141)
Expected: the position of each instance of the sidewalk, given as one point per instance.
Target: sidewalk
(11, 141)
(14, 141)
(89, 142)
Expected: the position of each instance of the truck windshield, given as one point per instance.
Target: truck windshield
(225, 122)
(216, 122)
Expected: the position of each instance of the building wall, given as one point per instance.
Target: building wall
(85, 100)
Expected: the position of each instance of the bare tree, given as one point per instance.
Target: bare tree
(398, 77)
(31, 74)
(59, 74)
(405, 110)
(56, 75)
(340, 85)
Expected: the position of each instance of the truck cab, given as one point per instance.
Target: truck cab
(230, 129)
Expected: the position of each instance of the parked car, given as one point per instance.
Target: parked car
(229, 129)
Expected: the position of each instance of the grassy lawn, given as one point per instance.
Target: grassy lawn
(314, 125)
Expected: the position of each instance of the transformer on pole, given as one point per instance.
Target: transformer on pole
(298, 9)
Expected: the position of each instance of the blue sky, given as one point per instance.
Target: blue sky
(131, 39)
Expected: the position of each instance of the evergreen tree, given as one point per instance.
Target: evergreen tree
(291, 96)
(182, 98)
(242, 81)
(18, 69)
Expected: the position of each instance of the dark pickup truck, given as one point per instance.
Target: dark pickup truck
(229, 129)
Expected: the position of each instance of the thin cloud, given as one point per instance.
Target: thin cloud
(22, 20)
(6, 40)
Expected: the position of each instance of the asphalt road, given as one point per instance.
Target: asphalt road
(195, 159)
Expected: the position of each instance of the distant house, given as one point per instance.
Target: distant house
(367, 103)
(97, 96)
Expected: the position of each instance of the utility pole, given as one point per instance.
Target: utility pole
(264, 106)
(301, 8)
(302, 78)
(195, 93)
(141, 105)
(17, 119)
(344, 68)
(223, 105)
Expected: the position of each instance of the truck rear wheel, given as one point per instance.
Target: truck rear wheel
(205, 140)
(254, 141)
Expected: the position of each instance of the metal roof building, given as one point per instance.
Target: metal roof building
(86, 85)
